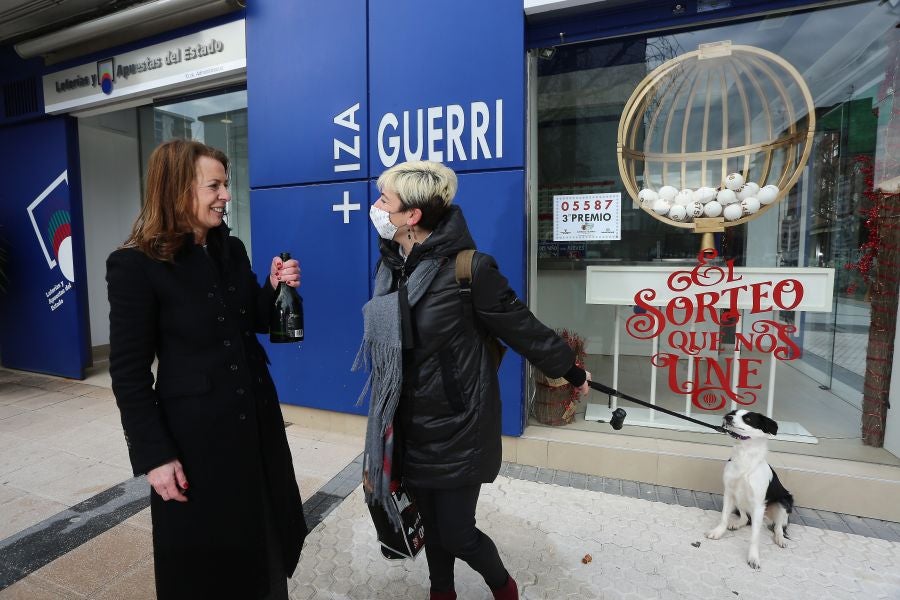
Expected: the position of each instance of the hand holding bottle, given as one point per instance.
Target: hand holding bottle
(287, 271)
(286, 320)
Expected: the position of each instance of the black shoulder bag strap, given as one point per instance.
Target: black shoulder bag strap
(464, 280)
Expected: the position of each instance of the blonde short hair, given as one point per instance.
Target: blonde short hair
(423, 184)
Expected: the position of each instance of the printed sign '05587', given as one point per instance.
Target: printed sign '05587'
(587, 217)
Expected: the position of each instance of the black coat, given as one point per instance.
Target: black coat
(214, 407)
(449, 412)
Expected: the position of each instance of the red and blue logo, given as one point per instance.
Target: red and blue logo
(106, 75)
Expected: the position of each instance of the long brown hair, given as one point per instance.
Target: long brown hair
(167, 219)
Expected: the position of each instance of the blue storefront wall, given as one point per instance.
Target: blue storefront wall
(337, 94)
(43, 314)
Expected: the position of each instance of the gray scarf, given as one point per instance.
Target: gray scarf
(381, 354)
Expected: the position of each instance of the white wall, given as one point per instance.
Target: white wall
(111, 193)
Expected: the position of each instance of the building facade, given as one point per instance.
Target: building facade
(312, 101)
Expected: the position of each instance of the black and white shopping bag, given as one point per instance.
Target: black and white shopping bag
(406, 543)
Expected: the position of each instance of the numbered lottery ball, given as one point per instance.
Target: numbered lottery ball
(695, 209)
(734, 181)
(661, 207)
(684, 197)
(767, 194)
(750, 206)
(704, 195)
(648, 196)
(712, 208)
(678, 212)
(733, 212)
(667, 193)
(726, 197)
(749, 190)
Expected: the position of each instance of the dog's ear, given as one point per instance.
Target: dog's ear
(761, 422)
(768, 425)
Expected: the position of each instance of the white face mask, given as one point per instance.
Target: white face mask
(381, 219)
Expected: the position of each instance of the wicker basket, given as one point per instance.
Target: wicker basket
(542, 379)
(553, 404)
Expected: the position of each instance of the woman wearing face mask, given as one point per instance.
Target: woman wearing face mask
(434, 415)
(227, 515)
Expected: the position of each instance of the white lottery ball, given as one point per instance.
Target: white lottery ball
(678, 212)
(749, 190)
(734, 181)
(695, 209)
(750, 206)
(668, 193)
(704, 195)
(661, 207)
(726, 197)
(733, 212)
(684, 197)
(712, 209)
(648, 196)
(767, 194)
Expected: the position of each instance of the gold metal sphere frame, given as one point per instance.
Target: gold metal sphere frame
(741, 60)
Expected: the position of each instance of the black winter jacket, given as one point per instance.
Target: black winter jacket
(449, 412)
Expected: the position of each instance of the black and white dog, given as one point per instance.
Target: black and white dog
(752, 489)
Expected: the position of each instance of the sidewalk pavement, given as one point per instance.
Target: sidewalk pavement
(87, 531)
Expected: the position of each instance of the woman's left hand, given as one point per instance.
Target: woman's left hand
(288, 272)
(585, 389)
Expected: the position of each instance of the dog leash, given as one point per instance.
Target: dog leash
(613, 392)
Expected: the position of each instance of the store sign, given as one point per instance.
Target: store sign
(583, 217)
(679, 307)
(212, 53)
(450, 134)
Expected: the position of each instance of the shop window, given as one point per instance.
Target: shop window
(848, 57)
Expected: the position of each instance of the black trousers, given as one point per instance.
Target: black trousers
(450, 533)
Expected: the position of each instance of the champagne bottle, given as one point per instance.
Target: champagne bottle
(286, 322)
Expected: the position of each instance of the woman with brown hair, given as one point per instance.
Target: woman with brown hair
(226, 510)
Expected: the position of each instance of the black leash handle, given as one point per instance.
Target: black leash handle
(612, 392)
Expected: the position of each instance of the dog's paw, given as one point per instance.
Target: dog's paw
(736, 523)
(753, 561)
(781, 541)
(715, 534)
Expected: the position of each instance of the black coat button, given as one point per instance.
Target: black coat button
(243, 311)
(210, 295)
(226, 343)
(233, 367)
(220, 319)
(242, 417)
(239, 391)
(230, 288)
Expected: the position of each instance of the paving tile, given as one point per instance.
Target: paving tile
(95, 564)
(544, 475)
(562, 478)
(25, 510)
(647, 491)
(135, 584)
(32, 588)
(685, 497)
(11, 393)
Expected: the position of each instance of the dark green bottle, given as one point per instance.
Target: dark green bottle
(286, 323)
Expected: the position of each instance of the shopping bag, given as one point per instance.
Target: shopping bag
(410, 539)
